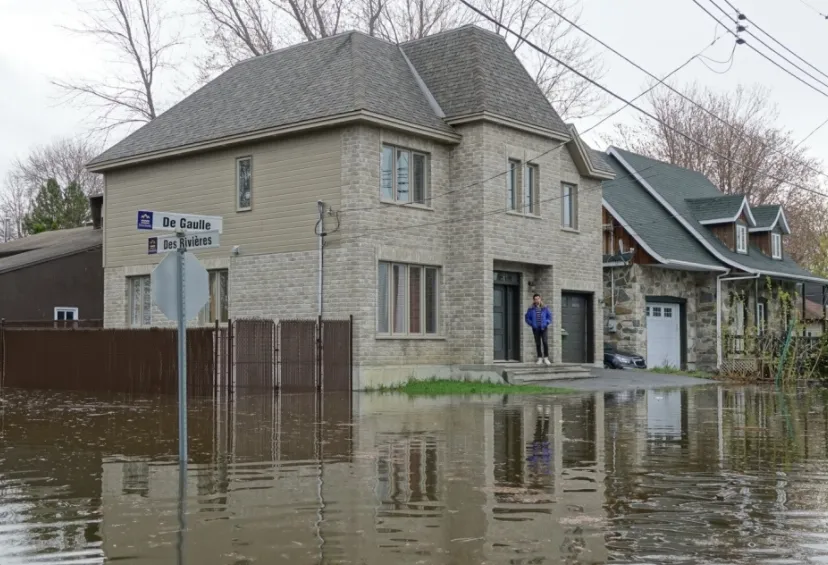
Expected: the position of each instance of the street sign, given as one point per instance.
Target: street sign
(167, 243)
(169, 221)
(165, 287)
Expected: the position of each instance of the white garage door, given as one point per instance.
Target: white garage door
(663, 335)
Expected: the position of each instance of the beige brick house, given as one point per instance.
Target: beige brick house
(450, 192)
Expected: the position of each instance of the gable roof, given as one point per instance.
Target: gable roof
(459, 75)
(471, 71)
(767, 218)
(720, 209)
(673, 188)
(47, 246)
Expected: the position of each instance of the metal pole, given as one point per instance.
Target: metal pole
(182, 363)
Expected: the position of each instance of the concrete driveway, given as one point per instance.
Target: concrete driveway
(607, 379)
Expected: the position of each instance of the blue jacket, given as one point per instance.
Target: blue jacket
(531, 319)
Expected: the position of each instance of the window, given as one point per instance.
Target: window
(140, 301)
(216, 307)
(668, 312)
(530, 190)
(512, 184)
(569, 203)
(761, 317)
(66, 313)
(741, 238)
(776, 245)
(656, 311)
(244, 183)
(403, 175)
(407, 299)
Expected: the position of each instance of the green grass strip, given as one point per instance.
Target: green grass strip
(440, 387)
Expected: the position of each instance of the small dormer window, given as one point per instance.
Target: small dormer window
(741, 238)
(776, 245)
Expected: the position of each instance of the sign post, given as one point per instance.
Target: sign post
(182, 357)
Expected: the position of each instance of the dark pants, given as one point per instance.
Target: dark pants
(541, 340)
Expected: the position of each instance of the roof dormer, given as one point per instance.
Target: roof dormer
(769, 231)
(729, 217)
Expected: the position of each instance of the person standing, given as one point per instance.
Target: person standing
(539, 318)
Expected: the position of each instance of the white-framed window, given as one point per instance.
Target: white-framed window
(244, 184)
(140, 301)
(668, 312)
(513, 185)
(656, 311)
(530, 189)
(404, 175)
(569, 206)
(217, 305)
(761, 317)
(776, 245)
(741, 238)
(407, 299)
(63, 313)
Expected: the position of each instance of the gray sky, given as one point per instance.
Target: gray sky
(658, 34)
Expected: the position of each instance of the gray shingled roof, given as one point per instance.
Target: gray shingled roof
(38, 248)
(599, 160)
(677, 185)
(716, 208)
(313, 80)
(765, 215)
(642, 214)
(470, 70)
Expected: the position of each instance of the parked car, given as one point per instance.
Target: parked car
(614, 359)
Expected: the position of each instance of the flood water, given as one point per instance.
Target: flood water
(702, 475)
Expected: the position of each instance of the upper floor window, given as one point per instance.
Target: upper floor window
(216, 307)
(776, 245)
(404, 175)
(244, 183)
(530, 190)
(569, 206)
(140, 301)
(741, 238)
(512, 184)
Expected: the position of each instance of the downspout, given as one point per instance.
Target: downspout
(719, 279)
(320, 231)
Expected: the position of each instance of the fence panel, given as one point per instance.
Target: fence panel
(297, 355)
(255, 359)
(123, 360)
(51, 324)
(336, 355)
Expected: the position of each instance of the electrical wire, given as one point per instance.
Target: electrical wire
(640, 109)
(814, 8)
(729, 62)
(733, 128)
(816, 129)
(764, 55)
(772, 38)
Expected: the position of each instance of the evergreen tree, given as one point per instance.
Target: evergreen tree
(54, 209)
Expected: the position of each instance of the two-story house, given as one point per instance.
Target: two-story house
(446, 186)
(693, 278)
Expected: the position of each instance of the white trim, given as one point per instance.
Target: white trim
(779, 215)
(72, 309)
(734, 218)
(583, 152)
(649, 249)
(347, 118)
(509, 122)
(699, 237)
(743, 230)
(776, 253)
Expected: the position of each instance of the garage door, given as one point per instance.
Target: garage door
(663, 335)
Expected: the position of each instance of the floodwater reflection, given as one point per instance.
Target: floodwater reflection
(702, 475)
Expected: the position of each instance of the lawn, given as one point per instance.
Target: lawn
(439, 387)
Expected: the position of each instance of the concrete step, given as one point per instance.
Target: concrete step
(541, 373)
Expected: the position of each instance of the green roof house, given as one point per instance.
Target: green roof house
(694, 278)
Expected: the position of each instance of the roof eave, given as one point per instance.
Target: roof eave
(508, 122)
(729, 219)
(780, 215)
(76, 251)
(583, 160)
(361, 116)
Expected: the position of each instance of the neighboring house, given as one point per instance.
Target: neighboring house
(430, 244)
(691, 275)
(54, 275)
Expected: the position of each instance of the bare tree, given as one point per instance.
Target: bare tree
(15, 200)
(134, 30)
(63, 160)
(767, 153)
(406, 20)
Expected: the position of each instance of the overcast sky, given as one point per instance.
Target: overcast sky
(658, 34)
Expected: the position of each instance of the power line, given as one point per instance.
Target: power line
(764, 55)
(814, 8)
(785, 47)
(676, 91)
(630, 103)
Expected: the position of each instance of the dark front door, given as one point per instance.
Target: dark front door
(574, 320)
(506, 319)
